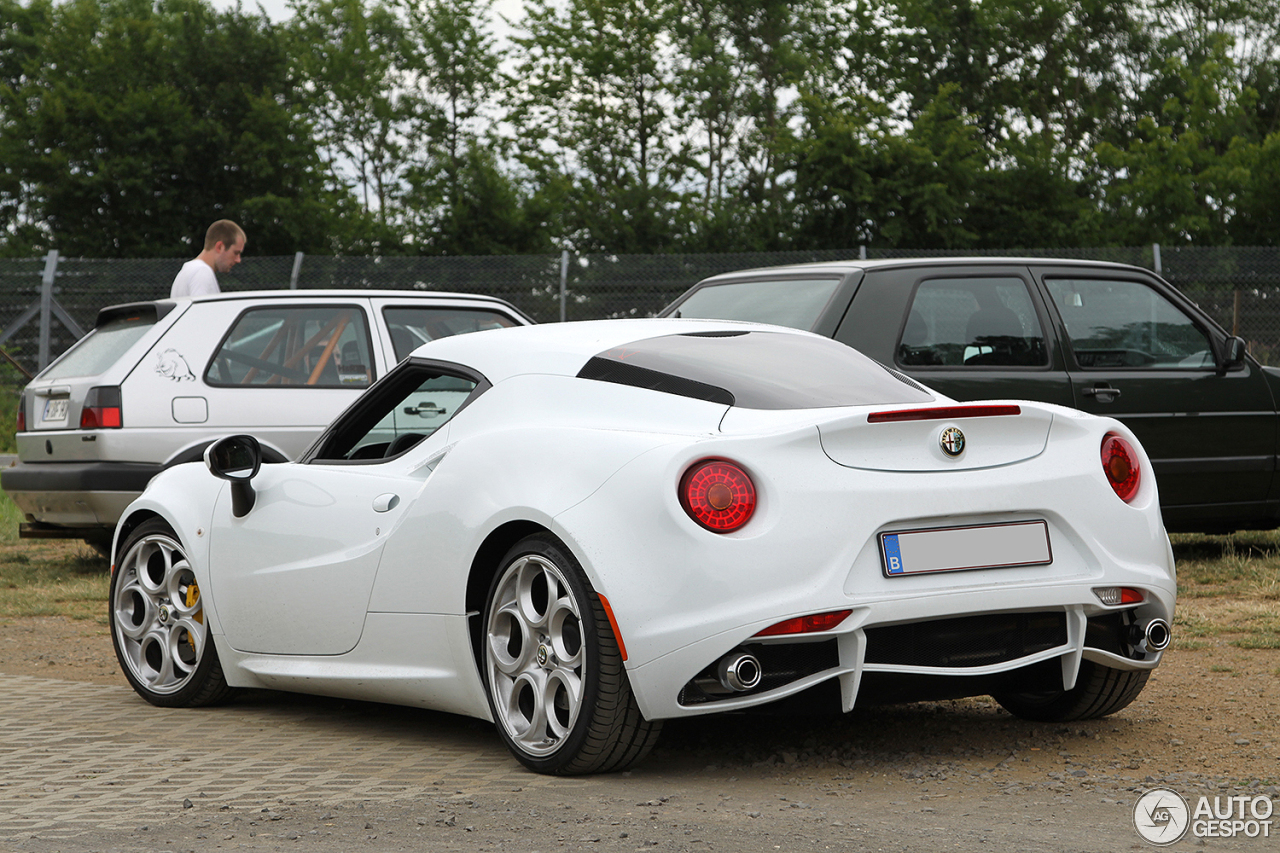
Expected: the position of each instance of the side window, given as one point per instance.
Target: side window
(410, 328)
(964, 322)
(407, 407)
(1127, 324)
(324, 346)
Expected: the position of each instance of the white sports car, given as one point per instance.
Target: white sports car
(581, 530)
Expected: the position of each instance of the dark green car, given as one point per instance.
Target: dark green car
(1110, 339)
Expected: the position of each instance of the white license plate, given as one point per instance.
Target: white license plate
(55, 410)
(959, 549)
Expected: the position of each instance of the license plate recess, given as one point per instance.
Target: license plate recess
(961, 549)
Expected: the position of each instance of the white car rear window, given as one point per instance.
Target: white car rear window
(102, 347)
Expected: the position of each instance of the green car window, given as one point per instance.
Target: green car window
(1126, 324)
(972, 322)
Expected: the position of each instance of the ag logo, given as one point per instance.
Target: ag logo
(1161, 816)
(952, 441)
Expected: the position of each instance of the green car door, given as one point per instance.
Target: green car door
(1137, 351)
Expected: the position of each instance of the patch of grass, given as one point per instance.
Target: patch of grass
(9, 419)
(49, 577)
(1229, 586)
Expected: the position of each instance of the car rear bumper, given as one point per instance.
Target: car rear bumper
(76, 494)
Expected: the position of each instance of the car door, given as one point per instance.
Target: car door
(1140, 352)
(971, 331)
(294, 575)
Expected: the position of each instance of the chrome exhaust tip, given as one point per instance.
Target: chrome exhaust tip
(1157, 634)
(739, 671)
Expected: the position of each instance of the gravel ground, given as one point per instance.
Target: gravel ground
(960, 775)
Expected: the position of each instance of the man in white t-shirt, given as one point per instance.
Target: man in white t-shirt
(223, 243)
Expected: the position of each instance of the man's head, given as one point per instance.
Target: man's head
(223, 243)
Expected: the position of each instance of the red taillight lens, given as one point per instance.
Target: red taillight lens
(718, 495)
(1120, 462)
(806, 624)
(101, 408)
(21, 425)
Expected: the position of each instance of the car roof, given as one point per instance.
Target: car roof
(164, 306)
(347, 293)
(854, 264)
(563, 348)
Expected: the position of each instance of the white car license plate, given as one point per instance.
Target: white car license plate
(958, 549)
(55, 410)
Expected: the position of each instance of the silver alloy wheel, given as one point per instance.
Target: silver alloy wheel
(158, 615)
(534, 655)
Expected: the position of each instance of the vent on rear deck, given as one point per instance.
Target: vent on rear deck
(904, 378)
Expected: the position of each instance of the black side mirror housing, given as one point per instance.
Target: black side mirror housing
(237, 459)
(1233, 351)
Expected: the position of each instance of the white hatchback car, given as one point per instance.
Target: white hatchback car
(155, 382)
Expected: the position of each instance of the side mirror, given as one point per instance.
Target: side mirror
(236, 458)
(1233, 350)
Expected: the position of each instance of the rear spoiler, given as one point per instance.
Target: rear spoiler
(153, 312)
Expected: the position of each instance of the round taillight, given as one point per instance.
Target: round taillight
(1120, 463)
(718, 495)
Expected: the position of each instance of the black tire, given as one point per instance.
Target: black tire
(161, 637)
(1099, 691)
(545, 632)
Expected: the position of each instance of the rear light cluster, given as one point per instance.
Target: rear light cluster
(718, 495)
(21, 423)
(1114, 596)
(101, 408)
(1120, 463)
(806, 624)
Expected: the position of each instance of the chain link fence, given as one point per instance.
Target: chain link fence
(1239, 287)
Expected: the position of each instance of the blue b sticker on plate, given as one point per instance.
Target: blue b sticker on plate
(892, 555)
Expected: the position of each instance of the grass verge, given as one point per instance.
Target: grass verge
(1228, 587)
(53, 577)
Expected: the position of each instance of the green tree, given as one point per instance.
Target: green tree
(350, 57)
(130, 127)
(459, 199)
(592, 107)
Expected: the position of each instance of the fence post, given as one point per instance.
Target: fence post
(297, 266)
(862, 252)
(1155, 255)
(564, 281)
(46, 305)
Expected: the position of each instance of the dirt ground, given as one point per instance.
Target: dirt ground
(931, 776)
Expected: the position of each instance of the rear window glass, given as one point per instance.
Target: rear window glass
(756, 370)
(796, 303)
(102, 347)
(410, 328)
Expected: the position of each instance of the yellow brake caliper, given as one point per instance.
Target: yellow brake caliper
(193, 595)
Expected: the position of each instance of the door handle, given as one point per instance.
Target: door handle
(382, 503)
(1104, 393)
